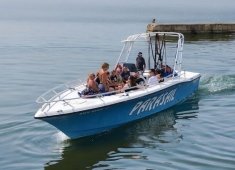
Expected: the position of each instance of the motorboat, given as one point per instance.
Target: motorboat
(78, 115)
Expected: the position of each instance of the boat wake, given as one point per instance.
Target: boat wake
(61, 137)
(217, 84)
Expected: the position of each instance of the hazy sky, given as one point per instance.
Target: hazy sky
(163, 10)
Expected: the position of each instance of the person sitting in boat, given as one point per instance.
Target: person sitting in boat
(125, 73)
(119, 80)
(111, 80)
(119, 77)
(140, 62)
(153, 79)
(97, 79)
(115, 81)
(113, 76)
(160, 75)
(92, 86)
(130, 84)
(167, 70)
(103, 77)
(118, 68)
(139, 80)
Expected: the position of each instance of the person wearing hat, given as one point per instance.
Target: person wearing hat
(140, 62)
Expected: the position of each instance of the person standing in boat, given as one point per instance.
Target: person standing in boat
(140, 62)
(103, 77)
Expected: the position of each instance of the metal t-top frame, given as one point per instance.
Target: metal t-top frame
(148, 37)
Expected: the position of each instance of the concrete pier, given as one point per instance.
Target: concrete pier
(192, 28)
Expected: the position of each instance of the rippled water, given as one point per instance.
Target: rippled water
(43, 45)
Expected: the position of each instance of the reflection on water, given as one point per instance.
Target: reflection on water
(44, 44)
(209, 37)
(127, 141)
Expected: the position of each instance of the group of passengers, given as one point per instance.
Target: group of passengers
(120, 79)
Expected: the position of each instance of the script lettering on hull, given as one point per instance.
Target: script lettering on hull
(152, 103)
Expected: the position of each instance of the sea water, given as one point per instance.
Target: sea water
(47, 43)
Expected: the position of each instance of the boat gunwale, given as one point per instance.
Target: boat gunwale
(198, 75)
(98, 95)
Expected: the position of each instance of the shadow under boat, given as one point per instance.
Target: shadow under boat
(85, 153)
(209, 37)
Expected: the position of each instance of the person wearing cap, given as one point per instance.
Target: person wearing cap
(140, 62)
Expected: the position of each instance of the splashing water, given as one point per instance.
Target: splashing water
(61, 137)
(216, 84)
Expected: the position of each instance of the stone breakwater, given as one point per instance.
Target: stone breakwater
(192, 28)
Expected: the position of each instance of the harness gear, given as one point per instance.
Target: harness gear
(158, 52)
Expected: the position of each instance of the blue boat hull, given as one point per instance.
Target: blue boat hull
(90, 122)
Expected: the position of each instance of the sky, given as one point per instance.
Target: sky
(130, 10)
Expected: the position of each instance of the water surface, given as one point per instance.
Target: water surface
(43, 44)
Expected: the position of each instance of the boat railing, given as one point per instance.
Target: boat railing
(58, 98)
(48, 104)
(59, 93)
(56, 92)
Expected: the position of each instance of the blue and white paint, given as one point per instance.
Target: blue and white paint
(97, 120)
(78, 117)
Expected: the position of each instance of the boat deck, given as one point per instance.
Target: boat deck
(69, 100)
